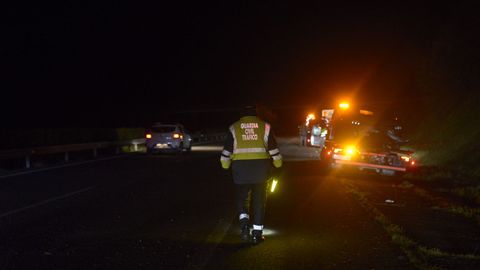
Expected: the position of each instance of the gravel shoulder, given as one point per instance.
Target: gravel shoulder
(442, 233)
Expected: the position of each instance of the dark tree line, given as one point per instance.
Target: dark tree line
(449, 80)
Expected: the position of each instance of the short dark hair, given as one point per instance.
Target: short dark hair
(250, 110)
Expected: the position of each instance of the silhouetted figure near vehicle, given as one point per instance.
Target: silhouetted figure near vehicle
(303, 135)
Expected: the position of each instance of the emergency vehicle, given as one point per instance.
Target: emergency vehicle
(357, 138)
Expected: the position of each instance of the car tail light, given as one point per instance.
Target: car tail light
(148, 136)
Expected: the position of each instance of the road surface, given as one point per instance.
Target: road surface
(177, 212)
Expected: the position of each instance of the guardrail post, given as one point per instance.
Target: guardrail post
(117, 150)
(67, 157)
(135, 147)
(27, 162)
(94, 152)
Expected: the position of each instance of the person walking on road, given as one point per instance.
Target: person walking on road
(250, 149)
(303, 135)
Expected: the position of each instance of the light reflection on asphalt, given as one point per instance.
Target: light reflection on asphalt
(207, 148)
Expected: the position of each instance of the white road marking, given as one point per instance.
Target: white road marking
(59, 166)
(45, 202)
(200, 260)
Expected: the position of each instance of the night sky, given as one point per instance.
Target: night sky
(94, 63)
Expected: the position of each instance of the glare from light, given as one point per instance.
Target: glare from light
(310, 117)
(350, 150)
(269, 232)
(366, 112)
(274, 185)
(148, 136)
(344, 105)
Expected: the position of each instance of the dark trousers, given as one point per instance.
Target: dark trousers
(252, 196)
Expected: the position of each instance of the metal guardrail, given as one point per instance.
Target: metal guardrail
(208, 138)
(27, 153)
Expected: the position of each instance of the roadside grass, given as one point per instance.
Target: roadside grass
(420, 256)
(444, 204)
(437, 173)
(129, 133)
(464, 211)
(395, 232)
(131, 149)
(471, 193)
(454, 182)
(405, 185)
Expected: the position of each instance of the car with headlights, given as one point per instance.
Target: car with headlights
(383, 161)
(167, 138)
(360, 140)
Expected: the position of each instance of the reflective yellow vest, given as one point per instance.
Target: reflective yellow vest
(250, 136)
(250, 139)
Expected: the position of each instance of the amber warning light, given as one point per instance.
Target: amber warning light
(148, 136)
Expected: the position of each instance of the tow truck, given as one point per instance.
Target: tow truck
(357, 138)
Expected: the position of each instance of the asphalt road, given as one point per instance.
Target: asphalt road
(177, 212)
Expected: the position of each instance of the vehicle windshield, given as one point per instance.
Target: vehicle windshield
(363, 130)
(349, 128)
(345, 131)
(163, 129)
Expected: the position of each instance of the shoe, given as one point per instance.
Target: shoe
(245, 232)
(257, 237)
(244, 229)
